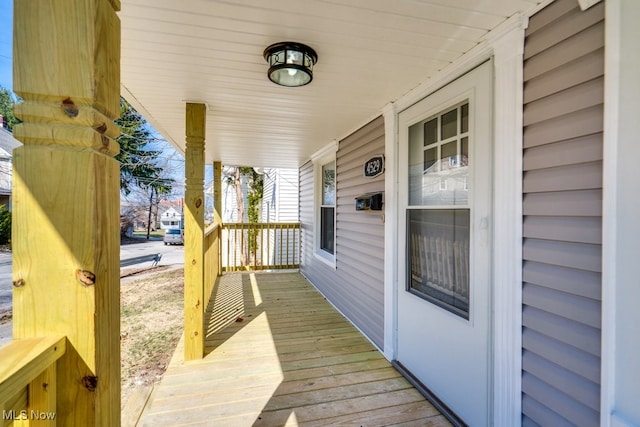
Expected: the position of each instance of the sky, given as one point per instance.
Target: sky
(6, 18)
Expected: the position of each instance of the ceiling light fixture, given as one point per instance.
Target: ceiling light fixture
(290, 64)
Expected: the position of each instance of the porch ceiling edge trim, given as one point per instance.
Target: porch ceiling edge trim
(468, 61)
(126, 94)
(541, 6)
(586, 4)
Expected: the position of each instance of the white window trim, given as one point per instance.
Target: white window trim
(323, 156)
(505, 44)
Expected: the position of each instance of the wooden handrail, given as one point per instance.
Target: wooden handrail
(23, 360)
(211, 228)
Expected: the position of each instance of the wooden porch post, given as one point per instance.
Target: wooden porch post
(194, 233)
(66, 199)
(217, 191)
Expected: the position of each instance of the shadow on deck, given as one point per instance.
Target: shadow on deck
(279, 355)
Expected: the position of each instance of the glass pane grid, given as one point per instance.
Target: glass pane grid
(439, 135)
(443, 144)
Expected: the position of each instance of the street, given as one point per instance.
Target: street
(173, 254)
(170, 255)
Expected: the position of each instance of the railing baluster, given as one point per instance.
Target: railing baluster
(228, 232)
(280, 241)
(254, 239)
(269, 261)
(235, 248)
(288, 233)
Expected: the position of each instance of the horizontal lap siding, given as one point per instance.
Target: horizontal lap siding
(287, 195)
(356, 285)
(305, 201)
(269, 199)
(562, 204)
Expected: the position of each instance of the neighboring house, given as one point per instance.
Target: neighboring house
(229, 201)
(279, 204)
(280, 196)
(170, 219)
(7, 144)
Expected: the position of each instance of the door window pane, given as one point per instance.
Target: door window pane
(464, 143)
(450, 124)
(464, 118)
(430, 156)
(438, 261)
(438, 234)
(449, 155)
(431, 132)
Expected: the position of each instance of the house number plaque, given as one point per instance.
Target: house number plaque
(374, 166)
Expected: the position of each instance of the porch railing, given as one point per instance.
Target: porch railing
(28, 380)
(260, 246)
(197, 292)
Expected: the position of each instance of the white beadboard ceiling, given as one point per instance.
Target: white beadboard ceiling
(370, 52)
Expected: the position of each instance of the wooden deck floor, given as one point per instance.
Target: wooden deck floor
(280, 355)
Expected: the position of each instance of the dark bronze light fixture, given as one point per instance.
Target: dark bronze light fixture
(290, 63)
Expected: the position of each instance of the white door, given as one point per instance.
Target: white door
(445, 199)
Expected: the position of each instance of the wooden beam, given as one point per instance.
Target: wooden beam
(194, 232)
(66, 197)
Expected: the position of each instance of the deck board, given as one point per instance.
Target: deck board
(279, 355)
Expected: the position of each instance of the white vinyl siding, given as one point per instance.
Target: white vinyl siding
(356, 285)
(562, 206)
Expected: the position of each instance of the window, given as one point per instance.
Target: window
(327, 208)
(438, 215)
(324, 204)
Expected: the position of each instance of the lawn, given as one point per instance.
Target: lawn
(151, 326)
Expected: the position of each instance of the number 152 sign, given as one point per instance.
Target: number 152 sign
(374, 166)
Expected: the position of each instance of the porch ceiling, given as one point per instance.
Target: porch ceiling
(370, 52)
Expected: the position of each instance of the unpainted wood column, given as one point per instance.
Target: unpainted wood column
(66, 198)
(194, 232)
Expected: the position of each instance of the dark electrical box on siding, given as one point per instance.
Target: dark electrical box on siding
(369, 202)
